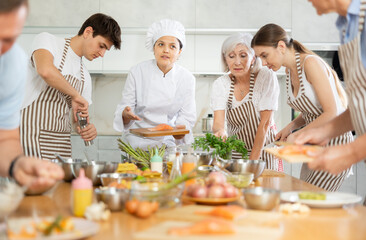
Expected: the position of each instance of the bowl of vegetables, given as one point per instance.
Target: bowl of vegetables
(212, 190)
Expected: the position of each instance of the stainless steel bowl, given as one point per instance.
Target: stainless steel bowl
(67, 166)
(110, 167)
(114, 198)
(240, 165)
(91, 170)
(202, 157)
(107, 178)
(262, 198)
(204, 170)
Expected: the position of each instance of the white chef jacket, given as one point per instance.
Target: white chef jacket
(157, 99)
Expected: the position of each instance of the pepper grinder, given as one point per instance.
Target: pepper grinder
(82, 124)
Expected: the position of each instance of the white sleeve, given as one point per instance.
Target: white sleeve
(45, 41)
(219, 94)
(270, 90)
(187, 114)
(128, 99)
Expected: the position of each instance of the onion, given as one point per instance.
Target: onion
(216, 191)
(190, 189)
(230, 191)
(199, 192)
(215, 178)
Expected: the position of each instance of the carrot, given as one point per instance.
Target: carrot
(208, 226)
(228, 212)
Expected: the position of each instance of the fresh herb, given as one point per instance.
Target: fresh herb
(222, 148)
(54, 225)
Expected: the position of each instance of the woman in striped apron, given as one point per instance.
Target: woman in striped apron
(352, 53)
(312, 89)
(247, 96)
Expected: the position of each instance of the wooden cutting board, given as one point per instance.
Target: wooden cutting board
(159, 232)
(293, 158)
(144, 132)
(250, 218)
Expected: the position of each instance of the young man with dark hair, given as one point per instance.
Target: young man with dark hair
(29, 171)
(59, 82)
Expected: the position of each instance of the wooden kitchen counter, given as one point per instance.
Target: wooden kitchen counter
(338, 223)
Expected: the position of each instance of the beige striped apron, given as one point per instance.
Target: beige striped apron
(45, 124)
(243, 122)
(354, 74)
(310, 112)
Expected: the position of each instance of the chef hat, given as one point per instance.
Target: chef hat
(165, 27)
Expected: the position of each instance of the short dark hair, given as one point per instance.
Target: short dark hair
(10, 5)
(104, 26)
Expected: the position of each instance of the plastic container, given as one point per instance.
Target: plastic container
(189, 162)
(156, 163)
(82, 194)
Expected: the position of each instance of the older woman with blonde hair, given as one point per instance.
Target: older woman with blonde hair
(246, 98)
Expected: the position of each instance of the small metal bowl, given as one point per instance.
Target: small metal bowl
(91, 170)
(240, 165)
(107, 178)
(67, 165)
(259, 198)
(110, 167)
(114, 198)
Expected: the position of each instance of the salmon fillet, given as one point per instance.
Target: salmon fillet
(298, 149)
(228, 212)
(161, 127)
(208, 226)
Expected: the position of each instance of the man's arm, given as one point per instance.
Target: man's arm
(43, 61)
(10, 148)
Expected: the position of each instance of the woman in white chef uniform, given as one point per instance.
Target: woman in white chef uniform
(158, 90)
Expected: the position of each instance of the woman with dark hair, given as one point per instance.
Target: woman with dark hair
(313, 89)
(247, 97)
(158, 90)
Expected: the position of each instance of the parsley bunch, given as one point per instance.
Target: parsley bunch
(222, 148)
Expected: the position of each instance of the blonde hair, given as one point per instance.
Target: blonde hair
(271, 34)
(229, 45)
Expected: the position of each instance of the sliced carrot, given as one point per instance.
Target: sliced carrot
(208, 226)
(161, 127)
(228, 212)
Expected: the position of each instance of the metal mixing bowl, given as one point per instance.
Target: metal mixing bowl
(110, 167)
(262, 198)
(67, 166)
(107, 178)
(91, 170)
(240, 165)
(114, 198)
(202, 157)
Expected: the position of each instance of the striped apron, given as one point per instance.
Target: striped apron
(45, 124)
(243, 122)
(354, 74)
(310, 112)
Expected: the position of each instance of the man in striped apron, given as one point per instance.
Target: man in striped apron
(351, 24)
(59, 82)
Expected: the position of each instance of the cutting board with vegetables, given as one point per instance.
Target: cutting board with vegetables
(145, 132)
(160, 232)
(294, 153)
(250, 217)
